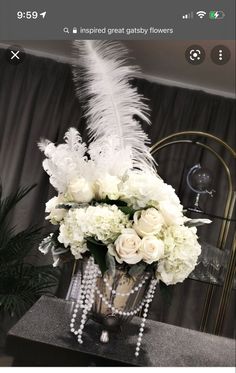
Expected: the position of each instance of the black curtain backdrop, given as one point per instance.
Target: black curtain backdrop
(37, 99)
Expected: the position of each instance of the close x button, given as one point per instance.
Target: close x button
(15, 54)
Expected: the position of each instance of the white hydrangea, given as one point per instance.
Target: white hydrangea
(181, 250)
(71, 234)
(79, 249)
(104, 222)
(141, 189)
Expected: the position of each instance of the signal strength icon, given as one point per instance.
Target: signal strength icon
(188, 16)
(201, 13)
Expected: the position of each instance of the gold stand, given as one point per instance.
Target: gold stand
(180, 138)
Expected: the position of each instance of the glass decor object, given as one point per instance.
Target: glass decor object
(199, 180)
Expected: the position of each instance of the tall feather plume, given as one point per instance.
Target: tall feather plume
(112, 105)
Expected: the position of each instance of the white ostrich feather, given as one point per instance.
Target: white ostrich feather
(111, 104)
(117, 142)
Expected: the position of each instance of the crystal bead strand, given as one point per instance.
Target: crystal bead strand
(85, 290)
(116, 310)
(79, 302)
(150, 296)
(137, 287)
(85, 282)
(89, 299)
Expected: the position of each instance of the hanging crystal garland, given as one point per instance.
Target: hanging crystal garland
(87, 296)
(149, 298)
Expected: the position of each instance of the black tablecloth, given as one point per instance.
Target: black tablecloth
(42, 337)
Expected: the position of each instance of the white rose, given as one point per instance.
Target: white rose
(152, 249)
(108, 186)
(127, 247)
(80, 190)
(55, 214)
(172, 213)
(148, 222)
(103, 222)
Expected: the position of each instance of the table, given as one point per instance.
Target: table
(42, 338)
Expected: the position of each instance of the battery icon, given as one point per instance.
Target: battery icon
(216, 14)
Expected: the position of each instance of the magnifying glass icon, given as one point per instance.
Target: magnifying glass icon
(66, 30)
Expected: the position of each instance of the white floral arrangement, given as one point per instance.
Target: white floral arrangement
(111, 202)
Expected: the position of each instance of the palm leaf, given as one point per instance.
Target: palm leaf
(9, 202)
(21, 284)
(6, 232)
(19, 245)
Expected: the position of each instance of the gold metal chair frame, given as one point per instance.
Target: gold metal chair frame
(180, 138)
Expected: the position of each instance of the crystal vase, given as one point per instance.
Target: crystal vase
(117, 297)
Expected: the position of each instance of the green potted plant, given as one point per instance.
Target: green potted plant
(21, 283)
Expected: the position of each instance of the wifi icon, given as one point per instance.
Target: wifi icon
(201, 14)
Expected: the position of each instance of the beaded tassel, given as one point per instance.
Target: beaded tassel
(86, 299)
(150, 295)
